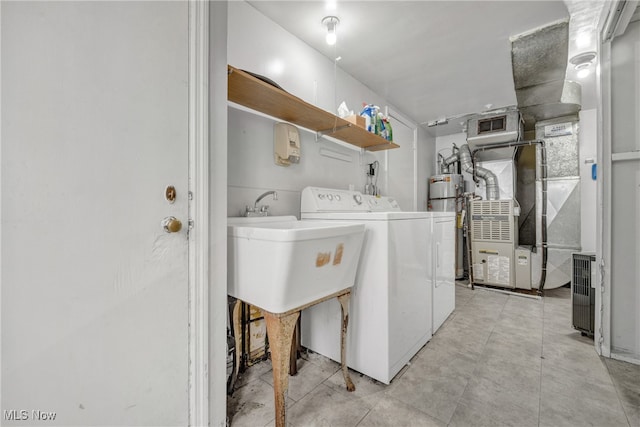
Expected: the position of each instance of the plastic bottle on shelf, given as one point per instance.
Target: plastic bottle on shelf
(376, 120)
(381, 129)
(389, 129)
(367, 113)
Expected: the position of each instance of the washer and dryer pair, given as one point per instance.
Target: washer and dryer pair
(404, 287)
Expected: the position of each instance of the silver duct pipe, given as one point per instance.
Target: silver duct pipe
(463, 155)
(490, 179)
(446, 168)
(539, 63)
(445, 165)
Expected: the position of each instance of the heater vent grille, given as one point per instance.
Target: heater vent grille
(499, 231)
(492, 220)
(583, 292)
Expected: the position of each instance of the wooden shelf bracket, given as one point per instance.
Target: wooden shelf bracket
(321, 133)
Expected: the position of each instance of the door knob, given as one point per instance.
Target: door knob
(171, 224)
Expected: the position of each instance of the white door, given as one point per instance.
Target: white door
(401, 178)
(94, 291)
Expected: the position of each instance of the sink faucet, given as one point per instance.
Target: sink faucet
(264, 210)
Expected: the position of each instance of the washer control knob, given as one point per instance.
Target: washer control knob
(357, 198)
(329, 196)
(338, 197)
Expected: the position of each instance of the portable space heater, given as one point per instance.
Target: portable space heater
(583, 293)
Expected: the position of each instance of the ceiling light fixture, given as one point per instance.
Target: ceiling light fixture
(583, 73)
(331, 22)
(583, 40)
(330, 5)
(582, 62)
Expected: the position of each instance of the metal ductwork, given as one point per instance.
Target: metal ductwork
(464, 156)
(539, 62)
(492, 127)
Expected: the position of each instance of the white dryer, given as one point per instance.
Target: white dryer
(390, 315)
(442, 265)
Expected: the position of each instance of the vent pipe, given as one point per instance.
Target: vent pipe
(463, 155)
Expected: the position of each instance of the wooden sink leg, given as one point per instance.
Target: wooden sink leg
(344, 304)
(237, 334)
(280, 330)
(295, 344)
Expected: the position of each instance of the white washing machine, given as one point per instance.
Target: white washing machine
(390, 315)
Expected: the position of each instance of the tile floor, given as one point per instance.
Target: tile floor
(498, 360)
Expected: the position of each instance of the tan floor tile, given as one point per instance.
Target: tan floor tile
(309, 376)
(482, 414)
(365, 386)
(252, 405)
(574, 400)
(435, 382)
(325, 406)
(253, 373)
(392, 412)
(626, 378)
(633, 414)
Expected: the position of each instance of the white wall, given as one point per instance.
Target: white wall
(426, 155)
(252, 171)
(257, 44)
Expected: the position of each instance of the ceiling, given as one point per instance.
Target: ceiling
(434, 59)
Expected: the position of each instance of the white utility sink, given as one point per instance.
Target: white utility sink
(279, 263)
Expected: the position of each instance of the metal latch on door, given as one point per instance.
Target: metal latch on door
(171, 224)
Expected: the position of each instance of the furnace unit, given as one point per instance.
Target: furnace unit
(494, 238)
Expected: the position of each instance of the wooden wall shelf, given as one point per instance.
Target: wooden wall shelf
(251, 92)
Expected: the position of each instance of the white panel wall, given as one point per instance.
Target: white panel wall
(625, 194)
(588, 152)
(257, 44)
(218, 316)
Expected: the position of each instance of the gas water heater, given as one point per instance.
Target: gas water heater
(445, 191)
